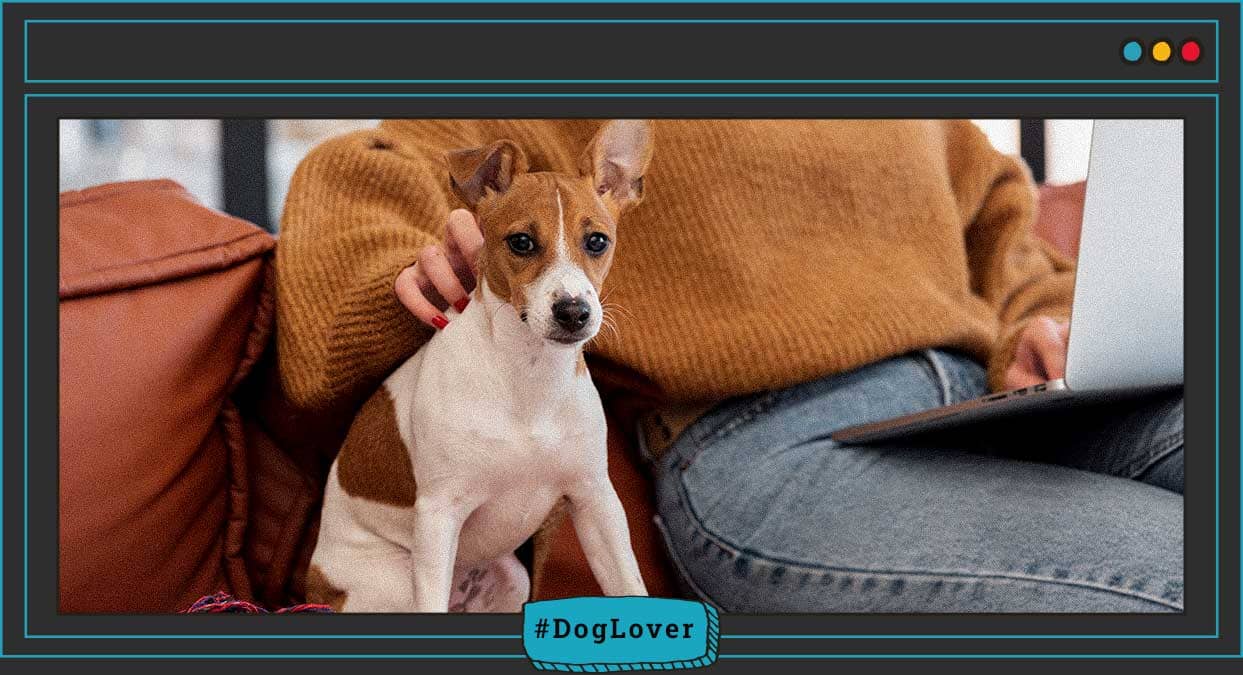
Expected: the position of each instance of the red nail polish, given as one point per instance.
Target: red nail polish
(460, 305)
(439, 321)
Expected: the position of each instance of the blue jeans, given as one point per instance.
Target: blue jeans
(1077, 511)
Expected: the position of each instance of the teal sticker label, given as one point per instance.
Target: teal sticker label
(600, 635)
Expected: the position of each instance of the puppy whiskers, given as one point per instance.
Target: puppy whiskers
(607, 321)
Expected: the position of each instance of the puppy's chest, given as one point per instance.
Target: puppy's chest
(498, 444)
(515, 468)
(475, 416)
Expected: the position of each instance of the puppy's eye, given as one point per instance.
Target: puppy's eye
(521, 243)
(596, 243)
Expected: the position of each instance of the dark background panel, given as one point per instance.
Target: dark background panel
(1206, 471)
(600, 51)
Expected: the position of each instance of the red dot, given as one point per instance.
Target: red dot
(1190, 51)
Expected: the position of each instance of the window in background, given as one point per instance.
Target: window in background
(1004, 134)
(288, 142)
(1067, 143)
(189, 152)
(104, 151)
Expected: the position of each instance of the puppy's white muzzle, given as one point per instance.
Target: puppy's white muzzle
(563, 306)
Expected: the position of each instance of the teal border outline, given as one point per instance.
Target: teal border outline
(1215, 23)
(27, 98)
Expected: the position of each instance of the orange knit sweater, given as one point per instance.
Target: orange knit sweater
(765, 253)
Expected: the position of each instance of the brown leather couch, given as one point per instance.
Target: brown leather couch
(163, 312)
(182, 472)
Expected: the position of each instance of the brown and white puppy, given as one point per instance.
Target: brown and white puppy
(469, 445)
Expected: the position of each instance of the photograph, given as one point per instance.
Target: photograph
(771, 365)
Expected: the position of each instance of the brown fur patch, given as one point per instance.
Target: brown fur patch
(586, 213)
(374, 462)
(530, 206)
(321, 592)
(544, 537)
(556, 514)
(581, 367)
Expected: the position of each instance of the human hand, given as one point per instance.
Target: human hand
(444, 274)
(1039, 354)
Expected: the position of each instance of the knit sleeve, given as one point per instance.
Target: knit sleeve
(1019, 275)
(359, 209)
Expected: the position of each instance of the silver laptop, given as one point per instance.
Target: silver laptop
(1126, 327)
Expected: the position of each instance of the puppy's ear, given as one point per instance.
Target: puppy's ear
(476, 171)
(617, 158)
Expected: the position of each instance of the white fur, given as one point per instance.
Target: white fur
(499, 427)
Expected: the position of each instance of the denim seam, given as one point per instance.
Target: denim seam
(941, 376)
(1160, 448)
(680, 566)
(1166, 446)
(758, 407)
(737, 550)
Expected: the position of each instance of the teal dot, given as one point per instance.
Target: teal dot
(1132, 51)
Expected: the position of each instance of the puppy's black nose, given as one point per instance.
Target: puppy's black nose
(571, 313)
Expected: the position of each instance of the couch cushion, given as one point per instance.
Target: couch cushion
(159, 299)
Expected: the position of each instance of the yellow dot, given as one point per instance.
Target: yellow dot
(1161, 51)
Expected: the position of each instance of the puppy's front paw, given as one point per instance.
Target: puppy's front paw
(500, 586)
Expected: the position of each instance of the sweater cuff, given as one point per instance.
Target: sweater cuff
(1002, 355)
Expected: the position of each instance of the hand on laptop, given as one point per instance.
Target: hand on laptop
(1040, 353)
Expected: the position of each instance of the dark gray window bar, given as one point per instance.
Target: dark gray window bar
(244, 163)
(1031, 146)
